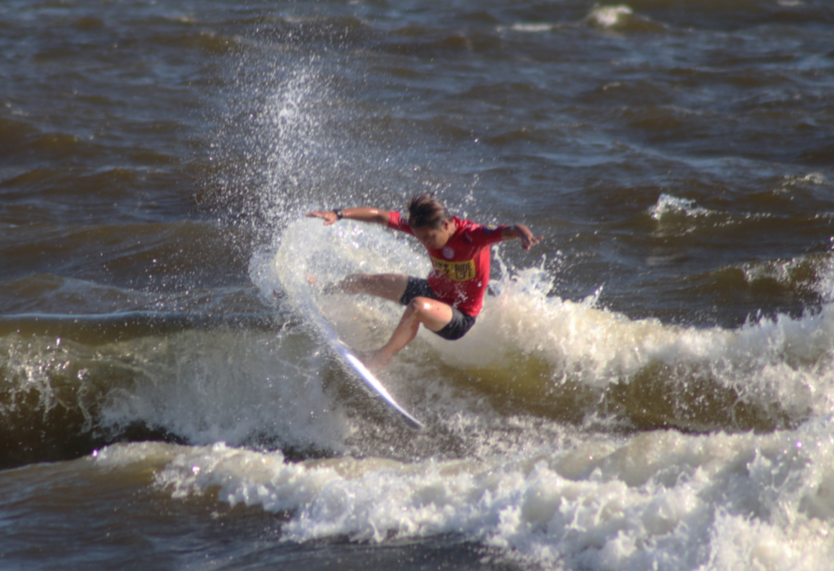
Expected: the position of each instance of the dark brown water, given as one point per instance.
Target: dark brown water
(653, 387)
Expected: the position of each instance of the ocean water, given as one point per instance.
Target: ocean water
(651, 387)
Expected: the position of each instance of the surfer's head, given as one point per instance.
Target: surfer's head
(425, 211)
(430, 221)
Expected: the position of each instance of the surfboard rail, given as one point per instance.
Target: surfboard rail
(352, 363)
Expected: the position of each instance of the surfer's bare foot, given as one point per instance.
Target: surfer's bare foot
(351, 285)
(331, 289)
(373, 359)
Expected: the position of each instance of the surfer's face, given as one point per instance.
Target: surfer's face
(434, 238)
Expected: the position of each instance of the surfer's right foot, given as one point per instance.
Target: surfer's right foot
(331, 289)
(373, 359)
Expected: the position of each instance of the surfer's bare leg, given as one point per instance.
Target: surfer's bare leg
(386, 286)
(432, 313)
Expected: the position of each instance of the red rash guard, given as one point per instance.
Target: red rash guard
(461, 267)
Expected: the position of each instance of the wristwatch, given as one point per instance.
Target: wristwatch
(339, 214)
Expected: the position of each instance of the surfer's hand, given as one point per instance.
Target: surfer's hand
(527, 238)
(329, 216)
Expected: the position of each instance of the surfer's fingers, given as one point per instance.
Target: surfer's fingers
(328, 216)
(528, 239)
(528, 243)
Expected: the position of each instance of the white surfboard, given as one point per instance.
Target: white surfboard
(367, 377)
(319, 255)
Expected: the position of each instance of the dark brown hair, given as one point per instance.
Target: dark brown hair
(425, 211)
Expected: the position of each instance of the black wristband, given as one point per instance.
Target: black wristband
(339, 214)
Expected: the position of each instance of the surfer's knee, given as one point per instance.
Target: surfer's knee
(419, 307)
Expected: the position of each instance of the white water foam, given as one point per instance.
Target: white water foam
(659, 500)
(668, 205)
(810, 272)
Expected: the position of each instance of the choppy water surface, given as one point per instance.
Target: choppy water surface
(651, 388)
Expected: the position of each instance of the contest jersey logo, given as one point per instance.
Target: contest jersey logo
(455, 271)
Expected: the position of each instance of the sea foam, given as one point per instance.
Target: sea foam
(660, 500)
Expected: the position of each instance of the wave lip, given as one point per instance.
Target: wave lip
(142, 376)
(621, 18)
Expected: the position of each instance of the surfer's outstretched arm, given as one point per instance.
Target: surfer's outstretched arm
(362, 213)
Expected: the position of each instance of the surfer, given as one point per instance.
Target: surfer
(449, 300)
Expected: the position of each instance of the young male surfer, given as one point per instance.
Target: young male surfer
(449, 300)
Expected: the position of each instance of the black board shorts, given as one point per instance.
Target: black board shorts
(460, 323)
